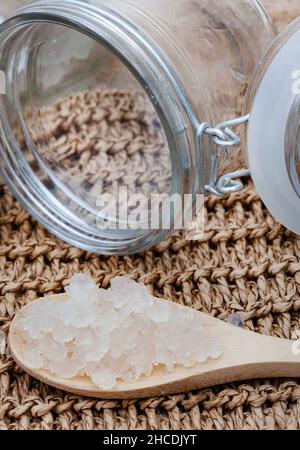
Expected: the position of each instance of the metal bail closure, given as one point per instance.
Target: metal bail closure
(225, 137)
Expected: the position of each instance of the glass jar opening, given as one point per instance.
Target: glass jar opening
(89, 133)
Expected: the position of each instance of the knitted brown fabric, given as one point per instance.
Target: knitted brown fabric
(245, 263)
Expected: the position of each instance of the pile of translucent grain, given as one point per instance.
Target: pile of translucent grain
(111, 335)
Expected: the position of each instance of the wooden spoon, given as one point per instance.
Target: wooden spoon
(246, 355)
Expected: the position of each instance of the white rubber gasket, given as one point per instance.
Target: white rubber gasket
(266, 136)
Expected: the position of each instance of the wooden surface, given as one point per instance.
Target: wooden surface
(246, 355)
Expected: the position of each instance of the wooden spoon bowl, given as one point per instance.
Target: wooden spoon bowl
(246, 355)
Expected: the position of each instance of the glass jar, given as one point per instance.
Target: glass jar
(127, 94)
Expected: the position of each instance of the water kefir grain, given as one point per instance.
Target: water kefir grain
(109, 335)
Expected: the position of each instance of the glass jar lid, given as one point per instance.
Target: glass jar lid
(274, 128)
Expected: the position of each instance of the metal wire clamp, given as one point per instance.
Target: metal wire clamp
(225, 137)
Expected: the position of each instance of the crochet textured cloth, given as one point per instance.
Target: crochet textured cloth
(244, 263)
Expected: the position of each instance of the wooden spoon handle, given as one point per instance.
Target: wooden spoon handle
(248, 355)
